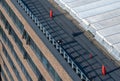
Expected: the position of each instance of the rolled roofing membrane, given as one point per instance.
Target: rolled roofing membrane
(100, 17)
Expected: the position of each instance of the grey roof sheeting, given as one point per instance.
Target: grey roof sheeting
(101, 17)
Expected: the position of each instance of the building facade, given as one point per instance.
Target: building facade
(25, 52)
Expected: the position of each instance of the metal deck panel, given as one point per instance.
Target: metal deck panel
(107, 23)
(110, 31)
(114, 39)
(98, 10)
(93, 5)
(104, 16)
(117, 47)
(78, 3)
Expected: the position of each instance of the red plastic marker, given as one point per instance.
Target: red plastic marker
(103, 70)
(90, 55)
(51, 13)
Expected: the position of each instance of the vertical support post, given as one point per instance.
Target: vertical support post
(32, 16)
(76, 69)
(47, 34)
(68, 59)
(81, 75)
(53, 41)
(50, 37)
(72, 65)
(41, 27)
(38, 23)
(43, 30)
(64, 54)
(60, 49)
(57, 46)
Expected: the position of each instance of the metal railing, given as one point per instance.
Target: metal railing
(53, 41)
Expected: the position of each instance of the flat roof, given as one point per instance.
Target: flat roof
(75, 43)
(101, 17)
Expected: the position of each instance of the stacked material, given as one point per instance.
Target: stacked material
(100, 17)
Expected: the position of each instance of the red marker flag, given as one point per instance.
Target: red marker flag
(90, 55)
(51, 13)
(103, 70)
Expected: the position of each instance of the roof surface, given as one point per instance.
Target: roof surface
(101, 17)
(75, 43)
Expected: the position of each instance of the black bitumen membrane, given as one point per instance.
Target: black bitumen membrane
(74, 42)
